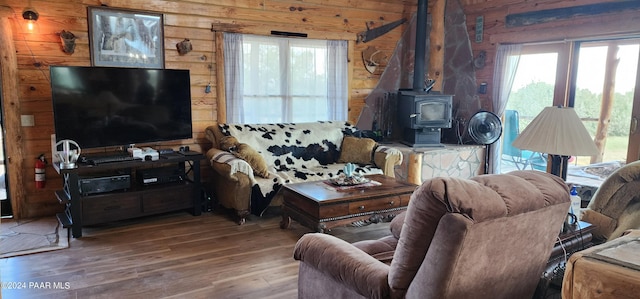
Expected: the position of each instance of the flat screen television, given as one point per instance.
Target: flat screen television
(109, 106)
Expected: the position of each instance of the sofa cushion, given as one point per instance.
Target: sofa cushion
(247, 153)
(213, 134)
(357, 150)
(228, 143)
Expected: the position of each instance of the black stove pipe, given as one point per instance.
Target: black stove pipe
(421, 45)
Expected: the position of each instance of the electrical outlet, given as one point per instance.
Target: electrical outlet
(27, 120)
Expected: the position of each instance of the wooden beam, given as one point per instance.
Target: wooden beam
(221, 94)
(414, 172)
(624, 23)
(608, 96)
(351, 54)
(13, 139)
(633, 151)
(436, 44)
(548, 15)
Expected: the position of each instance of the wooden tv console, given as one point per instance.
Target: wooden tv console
(138, 200)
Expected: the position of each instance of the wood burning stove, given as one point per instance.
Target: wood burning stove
(422, 115)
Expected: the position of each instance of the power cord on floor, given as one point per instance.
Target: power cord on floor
(558, 272)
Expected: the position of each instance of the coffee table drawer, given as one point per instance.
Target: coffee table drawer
(404, 199)
(377, 204)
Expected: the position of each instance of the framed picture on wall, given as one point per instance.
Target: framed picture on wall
(125, 38)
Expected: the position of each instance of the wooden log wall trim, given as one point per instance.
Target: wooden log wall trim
(624, 23)
(222, 95)
(633, 153)
(549, 15)
(351, 52)
(414, 172)
(436, 47)
(13, 138)
(193, 19)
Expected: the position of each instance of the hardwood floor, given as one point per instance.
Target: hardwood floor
(174, 255)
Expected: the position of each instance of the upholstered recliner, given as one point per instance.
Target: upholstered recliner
(487, 237)
(615, 206)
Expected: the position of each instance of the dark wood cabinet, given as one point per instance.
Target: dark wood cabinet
(110, 207)
(167, 199)
(136, 200)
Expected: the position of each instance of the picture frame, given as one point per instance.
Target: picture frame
(125, 38)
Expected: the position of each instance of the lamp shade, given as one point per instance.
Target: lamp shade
(557, 131)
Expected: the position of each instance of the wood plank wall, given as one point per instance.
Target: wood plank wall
(495, 31)
(192, 19)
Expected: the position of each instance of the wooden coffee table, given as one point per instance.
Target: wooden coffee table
(319, 206)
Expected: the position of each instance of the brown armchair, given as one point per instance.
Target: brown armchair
(615, 207)
(488, 237)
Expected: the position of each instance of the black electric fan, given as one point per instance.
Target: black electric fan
(485, 128)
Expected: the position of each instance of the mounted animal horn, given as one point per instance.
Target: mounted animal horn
(372, 58)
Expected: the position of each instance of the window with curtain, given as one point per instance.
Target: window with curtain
(274, 79)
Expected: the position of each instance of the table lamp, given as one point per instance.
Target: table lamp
(559, 132)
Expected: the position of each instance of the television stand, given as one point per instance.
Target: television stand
(132, 199)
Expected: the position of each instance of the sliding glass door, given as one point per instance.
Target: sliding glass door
(604, 96)
(599, 79)
(533, 89)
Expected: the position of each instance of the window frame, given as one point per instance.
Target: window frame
(347, 50)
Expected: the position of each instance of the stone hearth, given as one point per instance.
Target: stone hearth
(420, 164)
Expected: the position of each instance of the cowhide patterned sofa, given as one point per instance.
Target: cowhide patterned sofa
(293, 153)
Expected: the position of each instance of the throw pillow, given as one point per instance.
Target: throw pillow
(228, 143)
(357, 150)
(257, 162)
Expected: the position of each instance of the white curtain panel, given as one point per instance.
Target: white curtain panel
(507, 59)
(233, 77)
(337, 87)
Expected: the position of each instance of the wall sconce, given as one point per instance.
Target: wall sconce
(31, 15)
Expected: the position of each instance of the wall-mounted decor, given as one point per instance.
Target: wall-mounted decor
(372, 57)
(68, 40)
(480, 60)
(184, 47)
(125, 38)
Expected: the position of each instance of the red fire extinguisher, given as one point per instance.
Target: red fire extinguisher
(41, 162)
